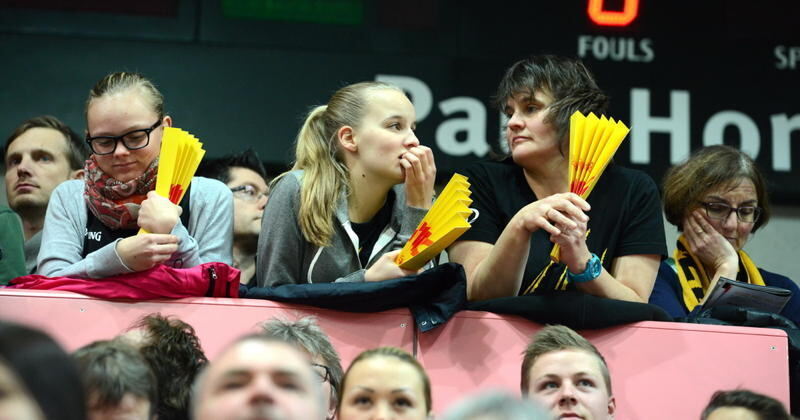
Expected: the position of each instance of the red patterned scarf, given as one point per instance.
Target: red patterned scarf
(115, 203)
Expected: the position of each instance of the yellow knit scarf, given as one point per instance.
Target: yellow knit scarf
(693, 278)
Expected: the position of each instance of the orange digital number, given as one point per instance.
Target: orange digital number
(613, 18)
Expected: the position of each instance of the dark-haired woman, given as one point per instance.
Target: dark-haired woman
(611, 244)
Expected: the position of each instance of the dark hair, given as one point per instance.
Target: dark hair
(767, 408)
(306, 334)
(707, 169)
(219, 168)
(173, 351)
(397, 354)
(45, 369)
(77, 150)
(567, 80)
(555, 338)
(111, 369)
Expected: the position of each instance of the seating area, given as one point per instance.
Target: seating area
(657, 367)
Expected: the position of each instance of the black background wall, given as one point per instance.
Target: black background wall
(243, 73)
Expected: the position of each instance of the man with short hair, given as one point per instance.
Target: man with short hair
(244, 174)
(41, 153)
(306, 335)
(743, 404)
(117, 380)
(258, 377)
(566, 374)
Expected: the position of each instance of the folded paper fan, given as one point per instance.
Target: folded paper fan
(180, 155)
(443, 224)
(592, 143)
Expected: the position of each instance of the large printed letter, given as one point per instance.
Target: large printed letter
(420, 93)
(782, 127)
(748, 132)
(642, 124)
(474, 127)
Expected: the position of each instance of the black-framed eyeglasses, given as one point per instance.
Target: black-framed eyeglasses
(322, 371)
(721, 211)
(248, 193)
(134, 139)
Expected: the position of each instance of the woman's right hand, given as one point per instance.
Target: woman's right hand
(708, 245)
(385, 268)
(141, 252)
(420, 173)
(553, 213)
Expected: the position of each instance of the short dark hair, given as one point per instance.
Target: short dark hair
(46, 370)
(571, 85)
(555, 338)
(767, 408)
(219, 168)
(397, 353)
(77, 150)
(111, 369)
(709, 168)
(173, 351)
(306, 334)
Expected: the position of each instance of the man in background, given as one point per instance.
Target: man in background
(244, 174)
(40, 153)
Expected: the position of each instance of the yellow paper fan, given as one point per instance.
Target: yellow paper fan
(444, 223)
(180, 155)
(592, 143)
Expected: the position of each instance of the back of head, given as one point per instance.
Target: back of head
(76, 149)
(555, 338)
(318, 154)
(706, 169)
(767, 408)
(401, 355)
(495, 405)
(173, 351)
(567, 80)
(119, 82)
(46, 370)
(110, 371)
(306, 334)
(219, 168)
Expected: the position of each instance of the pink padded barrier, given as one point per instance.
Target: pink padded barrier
(660, 370)
(75, 320)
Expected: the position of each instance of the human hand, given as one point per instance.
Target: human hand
(709, 246)
(574, 251)
(420, 175)
(141, 252)
(554, 214)
(385, 268)
(157, 214)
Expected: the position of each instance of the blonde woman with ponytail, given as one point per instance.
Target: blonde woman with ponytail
(360, 184)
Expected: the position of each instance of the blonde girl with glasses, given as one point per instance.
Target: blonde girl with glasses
(360, 185)
(91, 224)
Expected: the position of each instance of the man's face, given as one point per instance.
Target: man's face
(248, 203)
(570, 384)
(257, 379)
(36, 162)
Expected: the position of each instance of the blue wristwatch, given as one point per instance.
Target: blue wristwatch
(592, 271)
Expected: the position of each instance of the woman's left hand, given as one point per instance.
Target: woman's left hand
(157, 214)
(574, 252)
(420, 173)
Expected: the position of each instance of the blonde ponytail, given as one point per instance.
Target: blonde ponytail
(317, 153)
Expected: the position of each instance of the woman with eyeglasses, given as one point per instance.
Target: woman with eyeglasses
(91, 225)
(716, 199)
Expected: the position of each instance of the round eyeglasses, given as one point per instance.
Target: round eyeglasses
(133, 140)
(721, 211)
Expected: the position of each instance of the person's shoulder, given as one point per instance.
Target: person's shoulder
(620, 175)
(490, 169)
(70, 187)
(208, 185)
(779, 280)
(6, 211)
